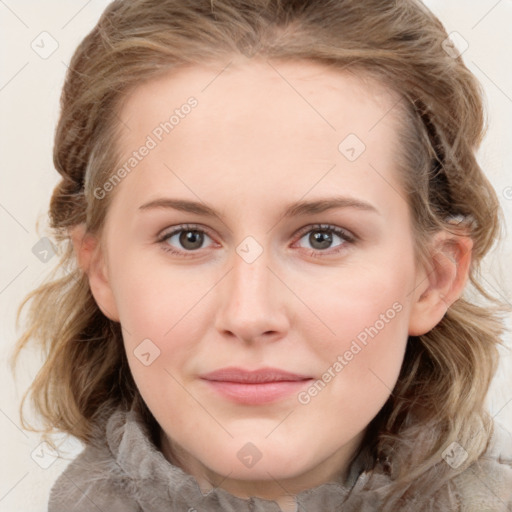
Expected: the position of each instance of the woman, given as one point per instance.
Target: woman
(271, 211)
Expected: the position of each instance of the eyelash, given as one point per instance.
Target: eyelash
(342, 233)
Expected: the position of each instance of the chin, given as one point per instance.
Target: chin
(249, 462)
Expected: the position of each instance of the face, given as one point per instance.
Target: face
(264, 226)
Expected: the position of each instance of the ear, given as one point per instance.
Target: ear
(442, 283)
(91, 259)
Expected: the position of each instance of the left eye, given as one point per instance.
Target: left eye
(321, 238)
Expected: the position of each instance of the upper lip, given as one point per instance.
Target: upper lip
(259, 375)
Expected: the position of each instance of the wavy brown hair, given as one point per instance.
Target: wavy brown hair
(446, 372)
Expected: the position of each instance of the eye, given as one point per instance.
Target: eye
(183, 239)
(322, 237)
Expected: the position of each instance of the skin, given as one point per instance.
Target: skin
(255, 144)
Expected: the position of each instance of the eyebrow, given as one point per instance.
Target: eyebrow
(292, 210)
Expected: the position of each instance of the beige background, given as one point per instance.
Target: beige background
(29, 91)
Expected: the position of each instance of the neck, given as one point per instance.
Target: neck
(282, 490)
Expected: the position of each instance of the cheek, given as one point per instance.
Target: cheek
(365, 317)
(360, 367)
(159, 322)
(370, 302)
(162, 311)
(152, 300)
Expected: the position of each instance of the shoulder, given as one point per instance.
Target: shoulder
(91, 482)
(486, 485)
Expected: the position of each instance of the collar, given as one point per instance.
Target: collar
(159, 483)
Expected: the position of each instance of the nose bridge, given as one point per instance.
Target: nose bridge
(251, 305)
(250, 282)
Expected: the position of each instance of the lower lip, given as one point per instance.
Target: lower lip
(256, 394)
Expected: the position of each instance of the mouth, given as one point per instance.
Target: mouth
(254, 387)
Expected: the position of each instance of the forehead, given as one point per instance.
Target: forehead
(232, 90)
(277, 126)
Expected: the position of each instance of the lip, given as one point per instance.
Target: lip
(254, 387)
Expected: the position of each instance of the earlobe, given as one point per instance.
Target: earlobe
(442, 283)
(91, 259)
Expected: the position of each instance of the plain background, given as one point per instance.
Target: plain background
(30, 83)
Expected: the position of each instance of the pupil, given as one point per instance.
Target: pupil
(323, 238)
(191, 239)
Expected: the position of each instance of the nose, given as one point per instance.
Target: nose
(252, 302)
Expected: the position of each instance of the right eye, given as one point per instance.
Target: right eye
(183, 239)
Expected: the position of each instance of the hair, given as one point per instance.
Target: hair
(446, 372)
